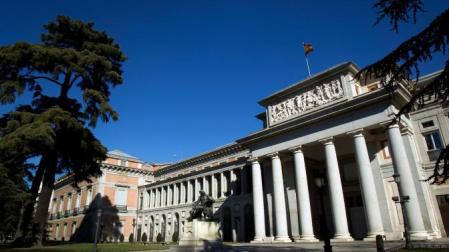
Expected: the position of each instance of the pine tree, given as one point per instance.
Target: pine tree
(405, 61)
(55, 129)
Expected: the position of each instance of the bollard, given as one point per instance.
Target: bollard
(380, 243)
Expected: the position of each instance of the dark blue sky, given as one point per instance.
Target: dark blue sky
(196, 69)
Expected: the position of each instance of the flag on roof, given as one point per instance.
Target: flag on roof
(308, 48)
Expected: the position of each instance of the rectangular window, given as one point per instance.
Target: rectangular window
(73, 227)
(78, 199)
(64, 231)
(89, 196)
(120, 196)
(61, 203)
(428, 124)
(69, 201)
(433, 141)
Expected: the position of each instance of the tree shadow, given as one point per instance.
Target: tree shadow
(102, 210)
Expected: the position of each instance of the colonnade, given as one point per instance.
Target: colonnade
(217, 185)
(368, 190)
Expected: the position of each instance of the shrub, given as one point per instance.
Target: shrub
(144, 237)
(175, 236)
(131, 237)
(159, 237)
(122, 238)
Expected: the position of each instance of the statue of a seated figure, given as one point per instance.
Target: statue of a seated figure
(202, 208)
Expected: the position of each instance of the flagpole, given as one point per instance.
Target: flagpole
(308, 68)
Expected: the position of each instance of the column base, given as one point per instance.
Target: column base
(259, 240)
(309, 238)
(372, 237)
(281, 239)
(342, 238)
(419, 236)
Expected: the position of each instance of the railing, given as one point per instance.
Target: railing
(67, 213)
(75, 211)
(122, 208)
(433, 154)
(58, 215)
(51, 216)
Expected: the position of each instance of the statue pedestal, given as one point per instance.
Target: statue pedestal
(200, 232)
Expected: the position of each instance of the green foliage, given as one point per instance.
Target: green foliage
(175, 236)
(122, 238)
(131, 237)
(12, 195)
(404, 62)
(72, 54)
(159, 238)
(144, 237)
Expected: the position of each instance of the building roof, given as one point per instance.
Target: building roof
(119, 153)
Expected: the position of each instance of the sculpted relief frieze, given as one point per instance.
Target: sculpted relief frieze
(300, 103)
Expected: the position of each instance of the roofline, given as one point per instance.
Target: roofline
(234, 146)
(316, 77)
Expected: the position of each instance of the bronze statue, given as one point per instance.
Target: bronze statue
(202, 208)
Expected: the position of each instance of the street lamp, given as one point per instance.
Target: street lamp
(402, 199)
(320, 184)
(97, 228)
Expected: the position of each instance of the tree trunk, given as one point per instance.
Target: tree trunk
(27, 210)
(50, 162)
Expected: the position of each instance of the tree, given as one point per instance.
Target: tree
(175, 236)
(404, 62)
(55, 129)
(144, 237)
(159, 238)
(131, 237)
(12, 195)
(122, 238)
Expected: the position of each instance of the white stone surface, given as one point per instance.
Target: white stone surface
(198, 231)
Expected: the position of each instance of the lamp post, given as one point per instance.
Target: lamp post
(320, 184)
(97, 229)
(402, 199)
(134, 228)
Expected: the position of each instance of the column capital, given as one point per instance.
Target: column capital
(327, 140)
(356, 133)
(253, 159)
(296, 149)
(274, 155)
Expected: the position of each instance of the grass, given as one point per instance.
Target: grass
(82, 247)
(424, 250)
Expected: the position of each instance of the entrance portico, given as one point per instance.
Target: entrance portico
(323, 126)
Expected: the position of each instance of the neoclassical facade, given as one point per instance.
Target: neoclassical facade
(328, 150)
(328, 127)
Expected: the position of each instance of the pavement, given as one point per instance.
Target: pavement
(359, 246)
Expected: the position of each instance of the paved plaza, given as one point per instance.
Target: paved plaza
(359, 246)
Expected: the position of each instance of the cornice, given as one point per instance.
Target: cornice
(202, 158)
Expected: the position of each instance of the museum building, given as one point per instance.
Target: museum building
(328, 150)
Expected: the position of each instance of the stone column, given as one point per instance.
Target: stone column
(279, 200)
(197, 188)
(302, 196)
(222, 185)
(406, 185)
(175, 194)
(189, 191)
(206, 185)
(158, 197)
(371, 203)
(163, 195)
(258, 203)
(214, 186)
(336, 192)
(233, 182)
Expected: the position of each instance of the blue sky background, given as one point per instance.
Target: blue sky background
(196, 69)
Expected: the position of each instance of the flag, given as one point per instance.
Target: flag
(307, 48)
